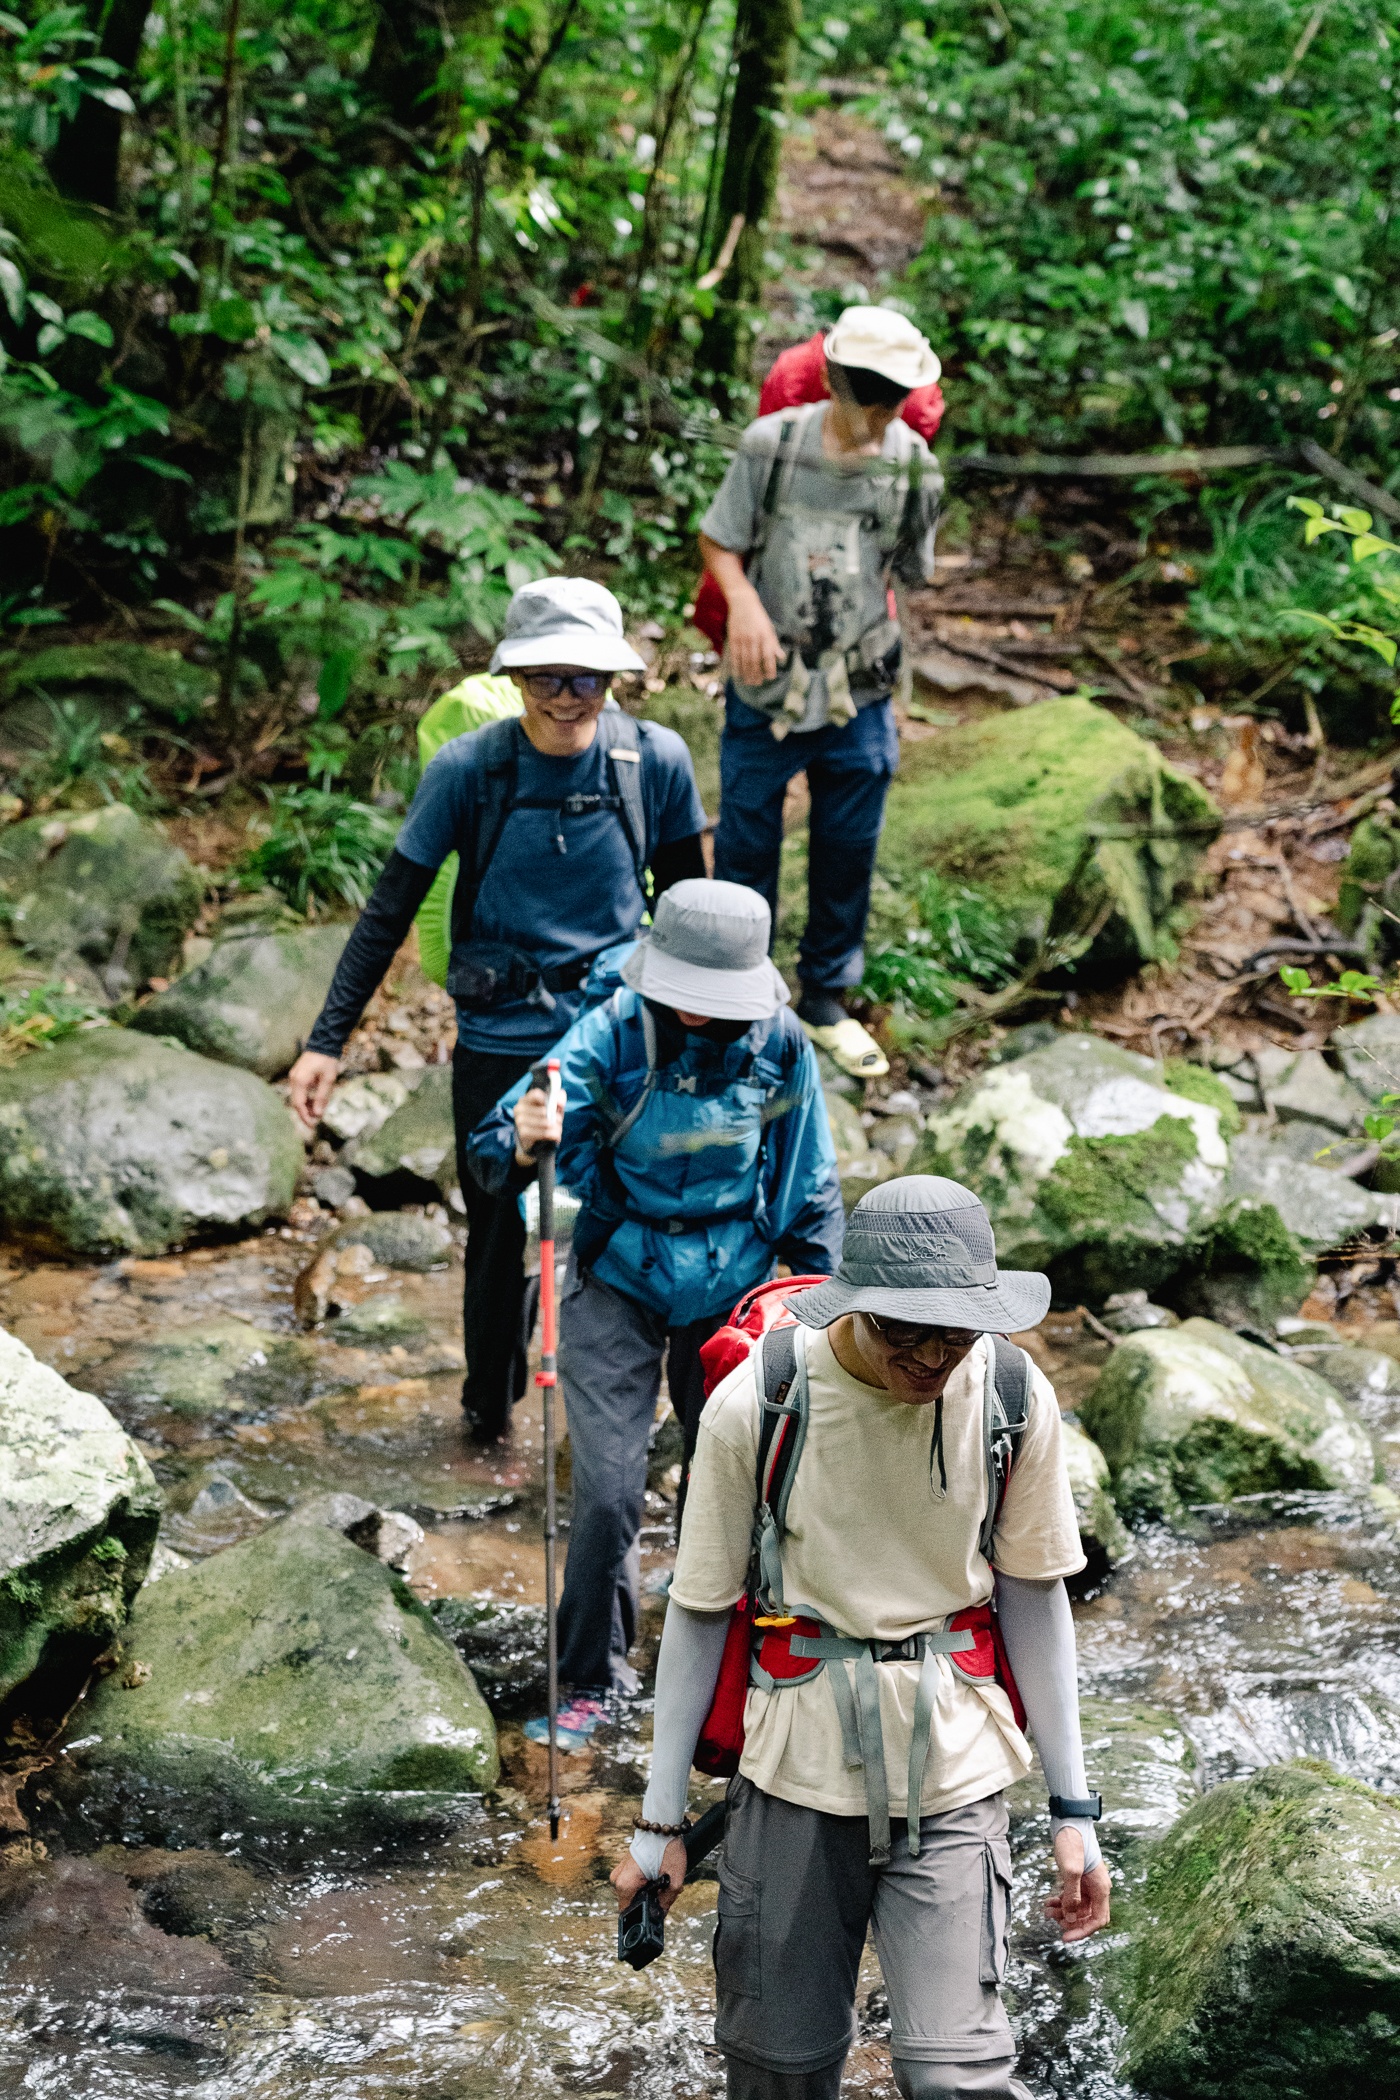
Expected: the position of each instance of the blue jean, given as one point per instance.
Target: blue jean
(849, 767)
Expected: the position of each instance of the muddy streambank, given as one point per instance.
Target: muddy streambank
(481, 1961)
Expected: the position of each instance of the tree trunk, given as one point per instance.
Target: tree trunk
(764, 32)
(86, 162)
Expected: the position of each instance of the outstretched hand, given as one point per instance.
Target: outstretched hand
(1080, 1907)
(309, 1085)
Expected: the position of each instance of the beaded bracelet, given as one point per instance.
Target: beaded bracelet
(662, 1830)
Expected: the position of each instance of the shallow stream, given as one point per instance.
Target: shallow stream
(484, 1965)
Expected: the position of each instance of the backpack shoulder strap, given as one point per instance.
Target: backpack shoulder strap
(612, 1138)
(1006, 1410)
(782, 1433)
(498, 758)
(626, 749)
(782, 466)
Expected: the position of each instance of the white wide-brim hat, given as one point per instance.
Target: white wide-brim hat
(883, 341)
(566, 620)
(707, 953)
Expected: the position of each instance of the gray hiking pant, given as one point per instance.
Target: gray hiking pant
(796, 1894)
(611, 1350)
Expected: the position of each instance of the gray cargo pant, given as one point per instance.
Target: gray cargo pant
(611, 1351)
(796, 1893)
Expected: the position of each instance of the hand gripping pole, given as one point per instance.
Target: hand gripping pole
(546, 1077)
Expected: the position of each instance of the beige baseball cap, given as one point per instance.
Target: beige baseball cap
(883, 341)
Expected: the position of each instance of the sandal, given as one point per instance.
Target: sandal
(851, 1047)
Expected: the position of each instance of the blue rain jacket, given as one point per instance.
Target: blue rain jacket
(732, 1143)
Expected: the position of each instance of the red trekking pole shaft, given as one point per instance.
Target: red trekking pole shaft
(547, 1378)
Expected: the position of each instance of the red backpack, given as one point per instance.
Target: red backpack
(762, 1312)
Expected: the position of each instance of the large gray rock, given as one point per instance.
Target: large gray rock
(105, 888)
(1094, 1169)
(117, 1143)
(1278, 1213)
(253, 1000)
(79, 1510)
(414, 1151)
(1369, 1054)
(1195, 1414)
(289, 1685)
(1102, 1533)
(1262, 1960)
(1370, 1380)
(1302, 1085)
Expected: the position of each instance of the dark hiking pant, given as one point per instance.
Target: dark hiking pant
(498, 1303)
(610, 1355)
(849, 768)
(796, 1896)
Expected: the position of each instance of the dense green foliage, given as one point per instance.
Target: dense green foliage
(324, 325)
(1159, 222)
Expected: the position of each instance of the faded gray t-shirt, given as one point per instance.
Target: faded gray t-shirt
(822, 572)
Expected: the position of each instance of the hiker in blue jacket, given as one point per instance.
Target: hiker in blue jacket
(694, 1133)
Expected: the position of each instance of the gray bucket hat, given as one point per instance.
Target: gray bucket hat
(707, 953)
(565, 620)
(921, 1249)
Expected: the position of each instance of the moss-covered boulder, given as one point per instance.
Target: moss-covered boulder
(253, 1000)
(1263, 1956)
(1097, 1166)
(1370, 1380)
(1366, 899)
(79, 1510)
(222, 1366)
(117, 1143)
(1196, 1414)
(1064, 818)
(413, 1155)
(1102, 1532)
(105, 888)
(289, 1685)
(155, 681)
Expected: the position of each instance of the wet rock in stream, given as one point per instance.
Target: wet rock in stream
(290, 1685)
(1196, 1414)
(412, 1156)
(79, 1510)
(221, 1366)
(1264, 1951)
(113, 1142)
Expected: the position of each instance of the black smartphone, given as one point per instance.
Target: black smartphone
(641, 1929)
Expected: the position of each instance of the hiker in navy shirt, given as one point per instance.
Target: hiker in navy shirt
(557, 815)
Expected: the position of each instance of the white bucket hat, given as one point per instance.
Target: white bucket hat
(565, 620)
(883, 341)
(707, 953)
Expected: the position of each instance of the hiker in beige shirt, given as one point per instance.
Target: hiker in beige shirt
(914, 1545)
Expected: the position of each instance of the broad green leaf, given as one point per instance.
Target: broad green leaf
(234, 318)
(12, 288)
(1354, 520)
(1297, 981)
(304, 357)
(1368, 545)
(92, 328)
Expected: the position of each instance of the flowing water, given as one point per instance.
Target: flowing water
(483, 1965)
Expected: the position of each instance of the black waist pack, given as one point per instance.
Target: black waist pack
(483, 974)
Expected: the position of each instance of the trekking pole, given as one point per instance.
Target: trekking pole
(547, 1378)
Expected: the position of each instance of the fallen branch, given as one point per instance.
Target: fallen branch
(1116, 466)
(1348, 479)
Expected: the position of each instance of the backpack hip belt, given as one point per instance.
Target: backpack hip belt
(857, 1698)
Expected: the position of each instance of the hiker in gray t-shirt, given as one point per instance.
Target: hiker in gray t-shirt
(824, 506)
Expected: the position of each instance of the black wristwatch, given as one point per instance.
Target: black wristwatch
(1089, 1810)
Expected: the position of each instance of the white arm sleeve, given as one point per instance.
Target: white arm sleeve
(1038, 1629)
(687, 1670)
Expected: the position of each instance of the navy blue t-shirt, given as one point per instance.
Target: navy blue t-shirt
(561, 887)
